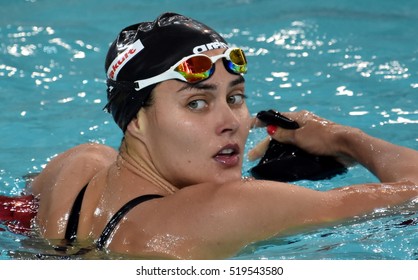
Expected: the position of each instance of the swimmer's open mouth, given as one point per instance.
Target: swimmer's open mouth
(228, 155)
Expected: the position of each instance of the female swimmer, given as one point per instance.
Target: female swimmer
(174, 189)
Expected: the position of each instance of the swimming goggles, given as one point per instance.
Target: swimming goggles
(198, 67)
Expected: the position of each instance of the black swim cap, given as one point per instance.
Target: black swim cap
(145, 50)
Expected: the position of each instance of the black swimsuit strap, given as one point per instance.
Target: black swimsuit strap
(119, 215)
(72, 224)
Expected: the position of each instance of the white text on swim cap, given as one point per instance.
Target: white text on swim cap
(118, 63)
(209, 46)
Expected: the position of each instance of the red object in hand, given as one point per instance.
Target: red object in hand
(271, 129)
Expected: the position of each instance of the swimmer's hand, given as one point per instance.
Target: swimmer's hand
(315, 135)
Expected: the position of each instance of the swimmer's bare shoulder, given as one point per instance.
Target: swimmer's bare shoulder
(62, 179)
(210, 221)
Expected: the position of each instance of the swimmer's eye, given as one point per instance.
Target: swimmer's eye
(197, 104)
(236, 99)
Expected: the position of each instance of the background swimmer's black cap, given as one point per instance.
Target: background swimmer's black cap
(145, 50)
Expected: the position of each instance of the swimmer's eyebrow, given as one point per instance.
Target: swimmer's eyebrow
(207, 86)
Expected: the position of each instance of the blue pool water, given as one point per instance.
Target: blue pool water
(351, 61)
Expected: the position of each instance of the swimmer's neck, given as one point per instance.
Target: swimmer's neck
(136, 159)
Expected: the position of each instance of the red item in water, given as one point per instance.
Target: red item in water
(17, 212)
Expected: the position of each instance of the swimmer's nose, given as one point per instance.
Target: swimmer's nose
(229, 121)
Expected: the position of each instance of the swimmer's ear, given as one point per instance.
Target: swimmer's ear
(133, 126)
(136, 126)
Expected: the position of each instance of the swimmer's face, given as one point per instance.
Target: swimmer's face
(196, 133)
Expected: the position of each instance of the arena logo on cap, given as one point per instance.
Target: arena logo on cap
(209, 46)
(118, 63)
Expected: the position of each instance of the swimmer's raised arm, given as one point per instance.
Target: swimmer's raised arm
(389, 162)
(226, 218)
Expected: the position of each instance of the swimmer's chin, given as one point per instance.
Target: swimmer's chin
(228, 178)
